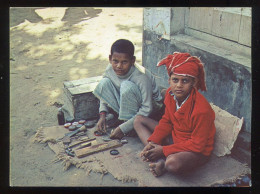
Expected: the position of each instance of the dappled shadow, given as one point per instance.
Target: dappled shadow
(136, 29)
(126, 28)
(19, 15)
(54, 46)
(84, 13)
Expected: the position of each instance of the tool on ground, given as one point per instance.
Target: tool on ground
(106, 139)
(75, 123)
(79, 125)
(82, 133)
(114, 152)
(124, 141)
(97, 148)
(72, 128)
(84, 145)
(82, 121)
(70, 134)
(66, 125)
(90, 124)
(85, 138)
(87, 144)
(66, 140)
(80, 142)
(98, 133)
(69, 152)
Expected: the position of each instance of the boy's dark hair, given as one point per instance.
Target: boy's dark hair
(123, 46)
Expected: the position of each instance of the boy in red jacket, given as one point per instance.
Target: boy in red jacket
(188, 118)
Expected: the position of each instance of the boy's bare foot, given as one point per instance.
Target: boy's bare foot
(157, 168)
(117, 134)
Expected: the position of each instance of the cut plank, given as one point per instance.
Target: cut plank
(87, 144)
(97, 148)
(80, 142)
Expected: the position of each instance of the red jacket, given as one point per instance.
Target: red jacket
(192, 126)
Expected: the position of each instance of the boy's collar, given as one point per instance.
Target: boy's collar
(177, 104)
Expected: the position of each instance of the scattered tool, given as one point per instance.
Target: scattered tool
(72, 127)
(98, 133)
(75, 123)
(66, 140)
(124, 141)
(97, 148)
(79, 125)
(85, 138)
(106, 139)
(69, 152)
(114, 152)
(82, 121)
(87, 144)
(66, 125)
(79, 134)
(83, 145)
(80, 142)
(70, 134)
(90, 124)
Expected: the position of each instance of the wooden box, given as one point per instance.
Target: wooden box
(79, 101)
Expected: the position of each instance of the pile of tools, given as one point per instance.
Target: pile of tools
(77, 143)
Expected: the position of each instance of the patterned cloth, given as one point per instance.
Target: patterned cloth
(125, 102)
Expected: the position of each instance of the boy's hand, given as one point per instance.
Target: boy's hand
(117, 134)
(146, 148)
(152, 152)
(101, 125)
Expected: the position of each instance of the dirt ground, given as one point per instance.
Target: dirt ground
(47, 47)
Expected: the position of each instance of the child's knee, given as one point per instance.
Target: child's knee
(128, 87)
(105, 82)
(138, 121)
(173, 165)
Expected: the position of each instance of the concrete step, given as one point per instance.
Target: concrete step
(243, 141)
(242, 148)
(241, 155)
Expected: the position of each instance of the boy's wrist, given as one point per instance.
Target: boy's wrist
(102, 114)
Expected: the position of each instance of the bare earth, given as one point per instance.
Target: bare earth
(47, 47)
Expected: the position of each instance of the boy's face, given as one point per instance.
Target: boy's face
(121, 62)
(181, 86)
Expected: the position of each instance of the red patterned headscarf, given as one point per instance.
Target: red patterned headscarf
(186, 65)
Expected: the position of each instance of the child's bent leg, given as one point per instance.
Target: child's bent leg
(130, 100)
(144, 127)
(106, 91)
(183, 162)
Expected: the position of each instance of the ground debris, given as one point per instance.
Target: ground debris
(242, 181)
(27, 77)
(57, 104)
(126, 179)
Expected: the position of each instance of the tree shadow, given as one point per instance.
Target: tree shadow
(18, 15)
(126, 28)
(86, 13)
